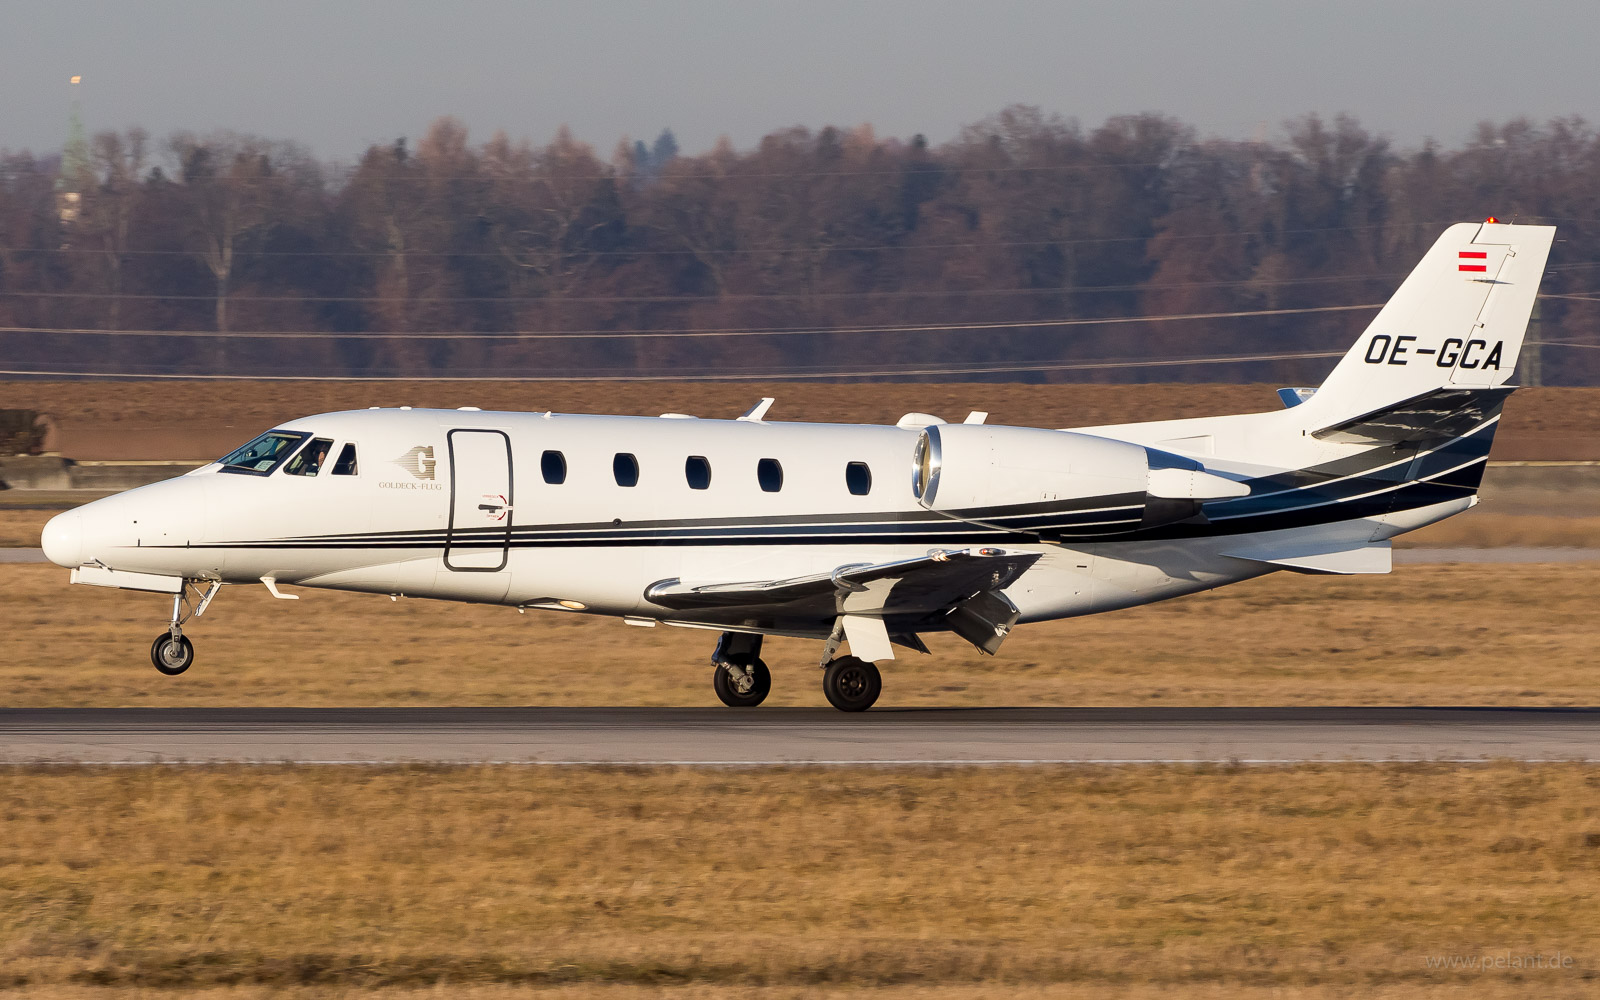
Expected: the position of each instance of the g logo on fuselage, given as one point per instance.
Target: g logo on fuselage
(419, 461)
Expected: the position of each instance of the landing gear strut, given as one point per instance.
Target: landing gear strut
(741, 679)
(172, 652)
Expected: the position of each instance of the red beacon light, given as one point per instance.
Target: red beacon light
(1491, 221)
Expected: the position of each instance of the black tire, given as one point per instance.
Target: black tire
(851, 684)
(171, 658)
(722, 683)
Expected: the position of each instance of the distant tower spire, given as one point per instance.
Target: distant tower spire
(75, 175)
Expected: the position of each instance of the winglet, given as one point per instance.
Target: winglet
(757, 413)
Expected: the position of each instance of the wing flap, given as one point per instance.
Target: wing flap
(927, 584)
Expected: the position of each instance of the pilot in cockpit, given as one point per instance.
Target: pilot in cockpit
(309, 461)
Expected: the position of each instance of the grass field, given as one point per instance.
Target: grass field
(1437, 634)
(1307, 881)
(1541, 410)
(156, 420)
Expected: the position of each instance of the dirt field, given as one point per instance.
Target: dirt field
(1305, 881)
(185, 420)
(1483, 635)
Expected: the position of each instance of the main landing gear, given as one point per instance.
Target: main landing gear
(172, 652)
(851, 684)
(742, 680)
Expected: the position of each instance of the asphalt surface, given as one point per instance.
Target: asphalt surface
(795, 736)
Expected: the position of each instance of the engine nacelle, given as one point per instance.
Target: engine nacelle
(974, 471)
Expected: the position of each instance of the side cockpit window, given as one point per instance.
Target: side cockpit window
(263, 455)
(346, 465)
(310, 459)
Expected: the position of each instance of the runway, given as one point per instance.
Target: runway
(771, 736)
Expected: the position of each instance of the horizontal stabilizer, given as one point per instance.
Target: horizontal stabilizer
(1374, 557)
(1433, 416)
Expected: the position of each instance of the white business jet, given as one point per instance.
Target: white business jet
(859, 534)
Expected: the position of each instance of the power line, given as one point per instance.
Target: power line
(737, 297)
(806, 248)
(709, 376)
(644, 334)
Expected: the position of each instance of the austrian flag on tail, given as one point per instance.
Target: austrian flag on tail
(1472, 260)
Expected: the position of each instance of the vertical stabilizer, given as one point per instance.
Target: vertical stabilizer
(1457, 321)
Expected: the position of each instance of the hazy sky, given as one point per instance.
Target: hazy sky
(339, 74)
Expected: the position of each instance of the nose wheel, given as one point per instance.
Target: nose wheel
(172, 652)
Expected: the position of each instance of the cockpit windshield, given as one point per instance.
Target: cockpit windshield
(261, 456)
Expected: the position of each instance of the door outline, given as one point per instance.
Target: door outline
(511, 500)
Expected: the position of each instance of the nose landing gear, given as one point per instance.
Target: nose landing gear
(172, 652)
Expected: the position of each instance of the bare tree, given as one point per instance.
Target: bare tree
(118, 161)
(225, 177)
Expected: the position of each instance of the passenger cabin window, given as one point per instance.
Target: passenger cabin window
(346, 465)
(697, 469)
(263, 455)
(626, 469)
(769, 474)
(554, 466)
(310, 459)
(858, 478)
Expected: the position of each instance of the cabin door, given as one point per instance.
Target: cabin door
(480, 501)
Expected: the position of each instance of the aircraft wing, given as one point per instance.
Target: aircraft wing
(925, 586)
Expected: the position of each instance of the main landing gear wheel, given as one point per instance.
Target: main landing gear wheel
(172, 654)
(851, 684)
(746, 691)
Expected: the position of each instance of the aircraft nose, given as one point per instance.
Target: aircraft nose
(62, 539)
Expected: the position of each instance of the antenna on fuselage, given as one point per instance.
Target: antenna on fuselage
(759, 411)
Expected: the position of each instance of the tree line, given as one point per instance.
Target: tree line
(823, 252)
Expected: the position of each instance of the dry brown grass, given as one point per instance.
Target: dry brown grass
(1492, 989)
(21, 528)
(1541, 410)
(133, 420)
(1309, 880)
(1463, 634)
(1487, 530)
